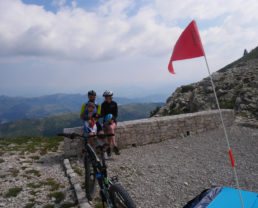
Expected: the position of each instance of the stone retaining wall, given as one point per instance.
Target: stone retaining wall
(156, 129)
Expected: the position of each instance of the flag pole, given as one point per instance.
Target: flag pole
(225, 132)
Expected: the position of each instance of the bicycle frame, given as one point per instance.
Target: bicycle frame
(99, 166)
(100, 169)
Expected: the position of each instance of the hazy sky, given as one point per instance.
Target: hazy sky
(49, 46)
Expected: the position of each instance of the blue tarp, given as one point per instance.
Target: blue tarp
(229, 198)
(223, 197)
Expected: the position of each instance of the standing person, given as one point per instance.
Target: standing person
(88, 115)
(85, 116)
(109, 112)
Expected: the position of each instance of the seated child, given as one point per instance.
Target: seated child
(90, 126)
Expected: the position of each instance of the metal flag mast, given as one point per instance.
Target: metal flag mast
(225, 132)
(189, 45)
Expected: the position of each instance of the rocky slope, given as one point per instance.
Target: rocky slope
(236, 87)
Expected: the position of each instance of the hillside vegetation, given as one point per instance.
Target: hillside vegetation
(15, 108)
(51, 125)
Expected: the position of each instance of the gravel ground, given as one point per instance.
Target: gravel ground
(167, 174)
(171, 173)
(37, 176)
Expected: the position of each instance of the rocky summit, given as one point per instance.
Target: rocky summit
(236, 86)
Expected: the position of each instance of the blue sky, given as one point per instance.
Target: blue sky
(51, 46)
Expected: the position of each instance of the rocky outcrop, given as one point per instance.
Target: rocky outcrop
(236, 87)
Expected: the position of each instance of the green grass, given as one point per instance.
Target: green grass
(67, 205)
(32, 145)
(59, 196)
(35, 157)
(52, 183)
(49, 182)
(49, 206)
(1, 160)
(99, 205)
(34, 185)
(34, 172)
(2, 176)
(77, 170)
(13, 192)
(33, 192)
(14, 172)
(29, 205)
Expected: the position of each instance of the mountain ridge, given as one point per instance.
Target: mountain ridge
(51, 125)
(15, 108)
(236, 87)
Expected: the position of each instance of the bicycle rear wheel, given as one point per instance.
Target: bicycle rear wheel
(120, 198)
(90, 179)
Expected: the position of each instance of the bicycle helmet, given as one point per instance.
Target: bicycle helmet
(92, 92)
(108, 117)
(107, 93)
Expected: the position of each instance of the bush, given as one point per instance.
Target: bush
(156, 110)
(176, 112)
(187, 88)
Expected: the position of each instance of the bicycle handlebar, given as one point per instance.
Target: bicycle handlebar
(73, 135)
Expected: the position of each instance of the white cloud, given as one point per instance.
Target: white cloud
(76, 33)
(137, 39)
(109, 32)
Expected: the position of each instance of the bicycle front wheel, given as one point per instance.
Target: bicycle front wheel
(90, 179)
(120, 198)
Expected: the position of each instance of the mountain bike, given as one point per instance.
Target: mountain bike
(111, 193)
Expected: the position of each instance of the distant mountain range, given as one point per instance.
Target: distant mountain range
(51, 125)
(15, 108)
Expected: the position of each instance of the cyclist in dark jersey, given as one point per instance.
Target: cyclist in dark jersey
(109, 112)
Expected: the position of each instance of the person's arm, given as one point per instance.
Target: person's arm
(82, 112)
(99, 110)
(103, 110)
(115, 111)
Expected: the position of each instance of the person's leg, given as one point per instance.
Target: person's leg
(92, 139)
(112, 131)
(85, 128)
(108, 131)
(113, 138)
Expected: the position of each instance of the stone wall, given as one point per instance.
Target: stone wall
(156, 129)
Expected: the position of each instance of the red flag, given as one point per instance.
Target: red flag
(189, 45)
